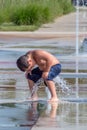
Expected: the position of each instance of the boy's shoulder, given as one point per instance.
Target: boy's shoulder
(37, 51)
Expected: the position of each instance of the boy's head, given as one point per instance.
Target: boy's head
(22, 63)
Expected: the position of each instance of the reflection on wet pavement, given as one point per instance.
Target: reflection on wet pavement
(20, 115)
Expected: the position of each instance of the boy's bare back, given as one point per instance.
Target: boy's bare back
(43, 59)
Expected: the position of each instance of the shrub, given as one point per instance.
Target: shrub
(1, 19)
(66, 6)
(31, 14)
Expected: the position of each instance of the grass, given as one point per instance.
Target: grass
(12, 27)
(31, 14)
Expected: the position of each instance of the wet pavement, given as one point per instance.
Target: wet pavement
(25, 115)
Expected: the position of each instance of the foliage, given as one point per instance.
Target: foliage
(32, 12)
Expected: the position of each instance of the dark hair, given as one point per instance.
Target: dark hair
(22, 63)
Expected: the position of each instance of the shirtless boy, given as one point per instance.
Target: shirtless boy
(40, 64)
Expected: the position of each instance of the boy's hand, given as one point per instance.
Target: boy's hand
(26, 73)
(45, 75)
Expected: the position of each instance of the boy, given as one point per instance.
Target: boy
(47, 67)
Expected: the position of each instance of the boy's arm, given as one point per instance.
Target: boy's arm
(41, 56)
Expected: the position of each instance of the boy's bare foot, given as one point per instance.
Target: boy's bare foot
(53, 99)
(33, 98)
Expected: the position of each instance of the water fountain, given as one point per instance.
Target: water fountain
(77, 44)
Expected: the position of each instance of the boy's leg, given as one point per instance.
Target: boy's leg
(31, 84)
(51, 86)
(54, 71)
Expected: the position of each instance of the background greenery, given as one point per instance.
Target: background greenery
(31, 14)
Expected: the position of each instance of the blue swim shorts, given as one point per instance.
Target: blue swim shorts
(54, 71)
(36, 73)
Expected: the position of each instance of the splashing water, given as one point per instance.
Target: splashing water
(36, 86)
(60, 84)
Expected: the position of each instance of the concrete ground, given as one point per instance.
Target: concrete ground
(67, 23)
(56, 128)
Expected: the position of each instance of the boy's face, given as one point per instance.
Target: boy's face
(31, 64)
(30, 61)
